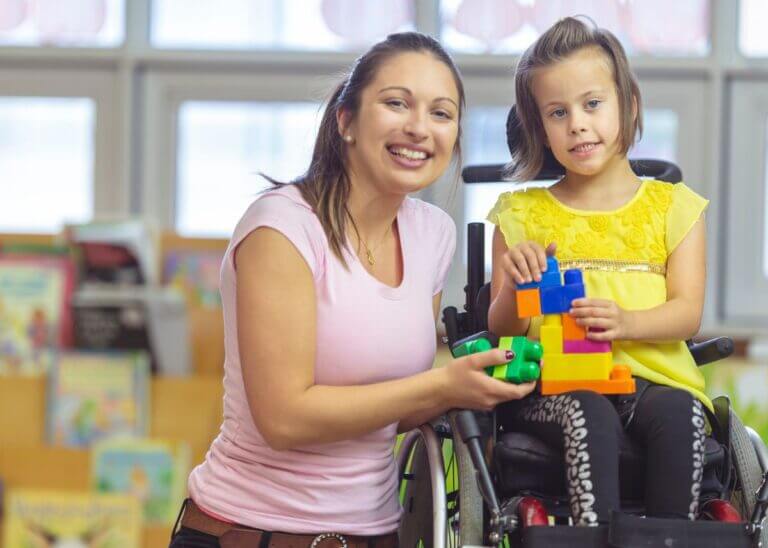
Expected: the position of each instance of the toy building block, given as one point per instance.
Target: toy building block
(619, 382)
(551, 338)
(557, 299)
(550, 277)
(587, 346)
(471, 347)
(563, 367)
(524, 367)
(571, 330)
(528, 303)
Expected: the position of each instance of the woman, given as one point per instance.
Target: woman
(331, 288)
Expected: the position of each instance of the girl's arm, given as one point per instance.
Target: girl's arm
(677, 319)
(502, 314)
(276, 319)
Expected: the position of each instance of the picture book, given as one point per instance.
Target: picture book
(154, 471)
(35, 313)
(196, 274)
(39, 518)
(93, 396)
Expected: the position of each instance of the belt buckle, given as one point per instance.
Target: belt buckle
(324, 536)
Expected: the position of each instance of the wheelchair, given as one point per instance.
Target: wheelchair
(464, 482)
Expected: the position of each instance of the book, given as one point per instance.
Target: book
(195, 273)
(36, 517)
(35, 312)
(116, 252)
(93, 396)
(153, 471)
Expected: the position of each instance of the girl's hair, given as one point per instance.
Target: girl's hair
(325, 185)
(564, 38)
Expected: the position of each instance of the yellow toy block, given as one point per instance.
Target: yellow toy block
(528, 303)
(574, 367)
(571, 330)
(553, 319)
(551, 338)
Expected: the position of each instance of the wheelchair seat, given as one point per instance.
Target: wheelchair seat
(524, 464)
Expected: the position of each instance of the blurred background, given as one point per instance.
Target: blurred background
(132, 133)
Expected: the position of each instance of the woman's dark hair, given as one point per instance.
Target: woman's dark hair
(325, 185)
(562, 39)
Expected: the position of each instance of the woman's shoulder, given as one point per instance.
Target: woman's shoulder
(419, 211)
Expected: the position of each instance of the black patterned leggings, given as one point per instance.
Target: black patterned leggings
(669, 423)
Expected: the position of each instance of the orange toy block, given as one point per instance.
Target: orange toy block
(571, 330)
(528, 303)
(576, 367)
(620, 382)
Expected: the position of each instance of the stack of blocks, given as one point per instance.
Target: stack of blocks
(570, 360)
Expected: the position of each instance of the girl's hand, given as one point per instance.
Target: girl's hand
(524, 262)
(605, 320)
(468, 387)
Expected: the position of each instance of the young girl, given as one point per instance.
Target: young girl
(640, 244)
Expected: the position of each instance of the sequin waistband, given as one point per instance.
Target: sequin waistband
(611, 265)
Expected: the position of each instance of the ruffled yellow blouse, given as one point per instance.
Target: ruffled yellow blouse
(623, 255)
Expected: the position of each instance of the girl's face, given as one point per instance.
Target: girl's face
(406, 126)
(579, 110)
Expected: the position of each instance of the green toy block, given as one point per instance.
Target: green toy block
(524, 367)
(472, 347)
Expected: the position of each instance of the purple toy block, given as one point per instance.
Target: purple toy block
(586, 346)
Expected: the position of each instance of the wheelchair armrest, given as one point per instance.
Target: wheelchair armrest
(710, 350)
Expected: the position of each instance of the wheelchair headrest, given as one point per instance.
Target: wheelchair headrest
(551, 166)
(552, 169)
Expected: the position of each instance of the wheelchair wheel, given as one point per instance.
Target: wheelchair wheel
(437, 512)
(748, 470)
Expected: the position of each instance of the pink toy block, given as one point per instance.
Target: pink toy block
(586, 346)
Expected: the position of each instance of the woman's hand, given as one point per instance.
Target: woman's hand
(468, 387)
(605, 320)
(524, 262)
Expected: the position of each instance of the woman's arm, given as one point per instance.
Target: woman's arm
(276, 318)
(677, 319)
(502, 314)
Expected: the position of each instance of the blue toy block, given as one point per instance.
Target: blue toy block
(549, 278)
(554, 300)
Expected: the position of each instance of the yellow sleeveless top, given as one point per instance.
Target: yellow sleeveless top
(623, 255)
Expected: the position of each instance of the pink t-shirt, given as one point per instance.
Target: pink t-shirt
(367, 332)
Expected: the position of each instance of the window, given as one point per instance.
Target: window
(46, 150)
(66, 23)
(277, 24)
(510, 26)
(223, 146)
(753, 40)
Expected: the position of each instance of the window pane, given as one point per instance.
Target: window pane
(486, 142)
(46, 154)
(223, 146)
(65, 23)
(753, 40)
(276, 24)
(510, 26)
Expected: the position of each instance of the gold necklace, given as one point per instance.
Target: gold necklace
(368, 251)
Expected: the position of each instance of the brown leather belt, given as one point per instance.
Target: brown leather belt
(232, 535)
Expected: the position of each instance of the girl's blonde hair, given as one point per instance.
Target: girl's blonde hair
(562, 39)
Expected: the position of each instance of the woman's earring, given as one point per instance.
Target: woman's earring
(349, 139)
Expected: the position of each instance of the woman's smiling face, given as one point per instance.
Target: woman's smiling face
(406, 125)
